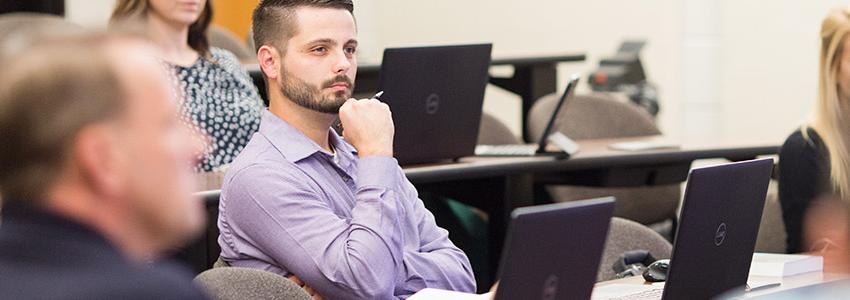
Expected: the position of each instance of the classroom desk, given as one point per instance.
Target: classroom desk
(787, 283)
(533, 77)
(497, 185)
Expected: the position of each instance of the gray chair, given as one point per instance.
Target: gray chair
(222, 38)
(494, 132)
(19, 31)
(772, 235)
(599, 116)
(625, 235)
(234, 283)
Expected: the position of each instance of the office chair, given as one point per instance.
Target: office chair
(222, 38)
(19, 31)
(772, 235)
(234, 283)
(494, 132)
(599, 116)
(625, 235)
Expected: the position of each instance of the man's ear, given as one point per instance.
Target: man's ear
(95, 155)
(269, 58)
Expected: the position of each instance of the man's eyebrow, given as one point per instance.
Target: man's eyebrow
(321, 41)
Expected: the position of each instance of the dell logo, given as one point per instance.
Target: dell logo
(432, 104)
(550, 288)
(720, 235)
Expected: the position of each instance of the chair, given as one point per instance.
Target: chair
(625, 235)
(234, 283)
(494, 132)
(19, 31)
(772, 235)
(223, 38)
(598, 116)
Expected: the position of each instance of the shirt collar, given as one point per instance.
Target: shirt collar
(294, 145)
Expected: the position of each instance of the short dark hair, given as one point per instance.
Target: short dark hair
(272, 21)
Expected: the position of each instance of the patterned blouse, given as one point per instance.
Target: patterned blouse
(222, 102)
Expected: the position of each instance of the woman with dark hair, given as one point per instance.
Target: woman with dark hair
(220, 100)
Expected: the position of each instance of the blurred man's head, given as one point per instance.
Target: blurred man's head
(306, 49)
(90, 131)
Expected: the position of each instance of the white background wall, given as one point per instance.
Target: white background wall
(724, 67)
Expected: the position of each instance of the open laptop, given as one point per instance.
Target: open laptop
(436, 96)
(551, 252)
(567, 146)
(716, 236)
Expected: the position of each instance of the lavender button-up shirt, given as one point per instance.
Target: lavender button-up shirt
(350, 229)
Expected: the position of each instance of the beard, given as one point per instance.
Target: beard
(310, 97)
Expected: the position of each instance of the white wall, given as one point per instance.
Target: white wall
(728, 67)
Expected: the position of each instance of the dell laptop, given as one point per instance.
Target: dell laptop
(717, 232)
(436, 96)
(567, 147)
(553, 251)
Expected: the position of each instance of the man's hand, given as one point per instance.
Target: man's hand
(368, 126)
(304, 286)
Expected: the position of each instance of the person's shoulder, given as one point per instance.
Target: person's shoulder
(98, 280)
(800, 143)
(220, 54)
(163, 281)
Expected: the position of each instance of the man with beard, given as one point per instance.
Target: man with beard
(335, 215)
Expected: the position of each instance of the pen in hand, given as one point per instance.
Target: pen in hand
(338, 123)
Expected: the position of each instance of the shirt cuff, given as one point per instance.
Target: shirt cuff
(377, 171)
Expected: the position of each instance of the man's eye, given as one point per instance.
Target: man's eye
(350, 50)
(320, 50)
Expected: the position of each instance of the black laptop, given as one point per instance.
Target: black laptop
(553, 251)
(436, 96)
(567, 147)
(717, 232)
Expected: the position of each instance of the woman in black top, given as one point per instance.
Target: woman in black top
(815, 160)
(803, 177)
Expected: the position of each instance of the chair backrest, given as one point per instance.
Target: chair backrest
(19, 31)
(234, 283)
(223, 38)
(772, 235)
(494, 132)
(591, 116)
(625, 235)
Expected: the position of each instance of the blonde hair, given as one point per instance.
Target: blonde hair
(135, 11)
(830, 118)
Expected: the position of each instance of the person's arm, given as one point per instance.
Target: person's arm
(281, 212)
(438, 263)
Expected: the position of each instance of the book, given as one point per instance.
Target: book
(438, 294)
(782, 265)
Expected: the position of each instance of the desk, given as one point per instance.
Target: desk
(533, 77)
(499, 185)
(787, 283)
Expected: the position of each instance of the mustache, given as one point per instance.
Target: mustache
(338, 79)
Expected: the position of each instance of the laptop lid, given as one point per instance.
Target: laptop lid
(717, 229)
(568, 92)
(553, 251)
(436, 96)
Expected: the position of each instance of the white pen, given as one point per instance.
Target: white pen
(378, 95)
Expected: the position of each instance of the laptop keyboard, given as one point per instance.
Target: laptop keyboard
(506, 150)
(652, 294)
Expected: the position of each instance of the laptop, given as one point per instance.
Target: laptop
(436, 96)
(567, 146)
(716, 235)
(551, 252)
